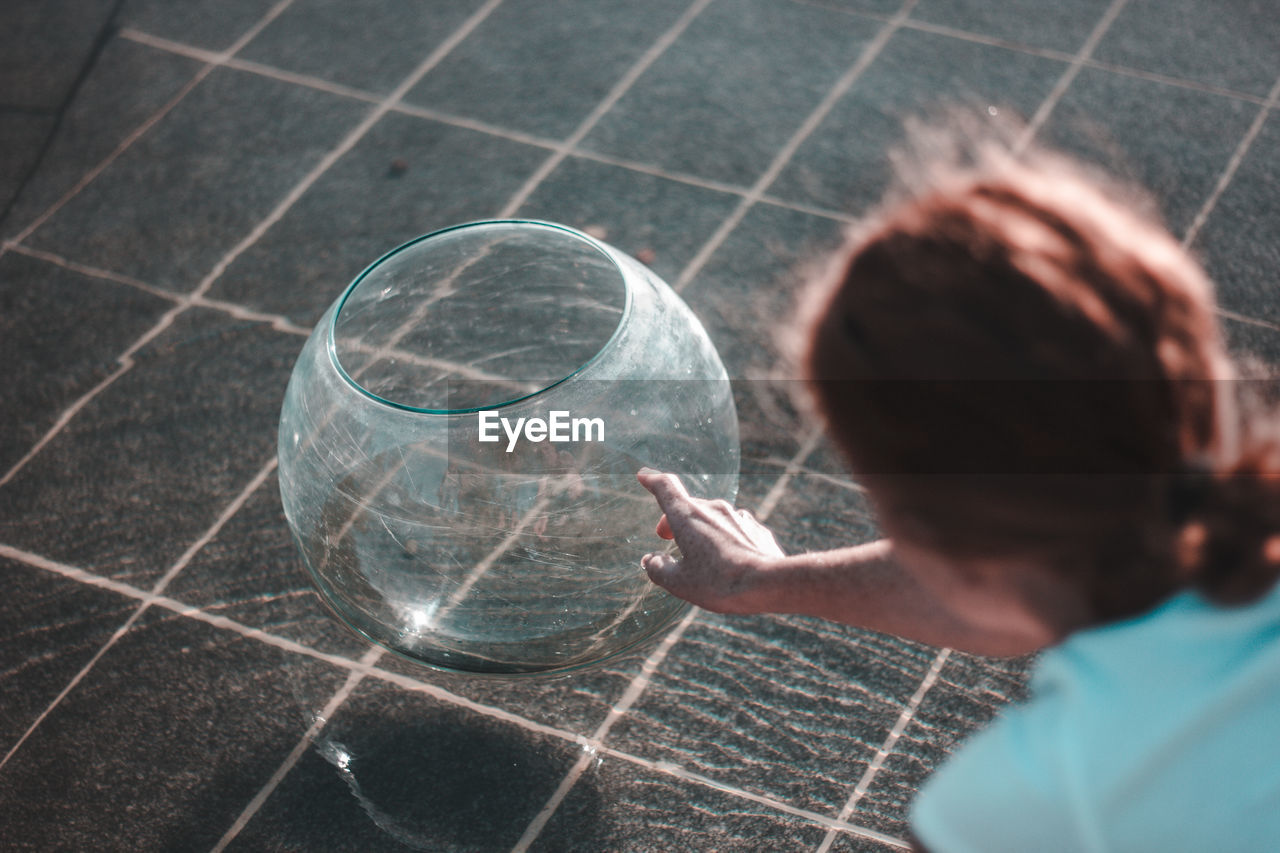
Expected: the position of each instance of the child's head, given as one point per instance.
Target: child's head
(1018, 365)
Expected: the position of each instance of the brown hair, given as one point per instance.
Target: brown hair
(1017, 363)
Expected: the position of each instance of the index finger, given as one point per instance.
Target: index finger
(666, 488)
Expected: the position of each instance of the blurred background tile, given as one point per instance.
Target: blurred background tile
(1231, 45)
(733, 88)
(185, 193)
(151, 462)
(165, 741)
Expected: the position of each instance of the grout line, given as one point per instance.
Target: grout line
(780, 160)
(408, 683)
(1068, 77)
(368, 660)
(141, 130)
(1179, 82)
(770, 501)
(306, 80)
(1237, 157)
(349, 142)
(76, 679)
(900, 726)
(486, 128)
(92, 272)
(65, 418)
(230, 510)
(615, 94)
(989, 41)
(279, 322)
(675, 770)
(1241, 318)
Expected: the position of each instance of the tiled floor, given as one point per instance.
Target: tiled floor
(185, 186)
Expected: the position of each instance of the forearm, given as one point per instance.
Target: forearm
(863, 586)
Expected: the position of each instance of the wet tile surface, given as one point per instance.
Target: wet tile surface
(748, 733)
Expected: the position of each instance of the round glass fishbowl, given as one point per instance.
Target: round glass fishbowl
(460, 437)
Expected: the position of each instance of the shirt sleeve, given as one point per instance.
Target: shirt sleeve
(1005, 790)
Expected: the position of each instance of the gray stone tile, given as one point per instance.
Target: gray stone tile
(845, 164)
(127, 85)
(44, 47)
(150, 463)
(1173, 141)
(1232, 44)
(662, 222)
(818, 514)
(542, 67)
(1036, 23)
(870, 7)
(251, 572)
(1240, 242)
(395, 770)
(407, 177)
(50, 627)
(211, 24)
(786, 707)
(60, 334)
(172, 205)
(969, 693)
(22, 138)
(1256, 347)
(619, 806)
(735, 86)
(745, 296)
(747, 293)
(317, 37)
(161, 745)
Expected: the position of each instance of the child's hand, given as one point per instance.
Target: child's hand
(723, 549)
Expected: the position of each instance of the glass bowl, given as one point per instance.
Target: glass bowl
(460, 437)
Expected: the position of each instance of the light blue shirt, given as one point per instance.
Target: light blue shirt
(1160, 733)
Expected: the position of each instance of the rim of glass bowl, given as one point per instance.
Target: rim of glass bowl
(604, 249)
